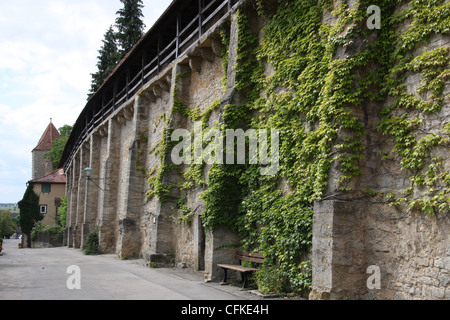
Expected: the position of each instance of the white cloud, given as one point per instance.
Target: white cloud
(48, 50)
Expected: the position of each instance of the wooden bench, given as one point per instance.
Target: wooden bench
(242, 256)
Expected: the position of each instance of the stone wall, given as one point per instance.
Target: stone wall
(351, 231)
(412, 252)
(354, 232)
(124, 153)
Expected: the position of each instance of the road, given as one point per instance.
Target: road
(41, 274)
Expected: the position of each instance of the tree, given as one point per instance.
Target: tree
(108, 58)
(130, 28)
(58, 146)
(29, 212)
(129, 24)
(7, 224)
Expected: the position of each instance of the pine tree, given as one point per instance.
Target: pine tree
(130, 28)
(129, 24)
(108, 58)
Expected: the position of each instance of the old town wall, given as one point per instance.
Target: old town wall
(351, 231)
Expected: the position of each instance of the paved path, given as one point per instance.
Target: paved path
(41, 274)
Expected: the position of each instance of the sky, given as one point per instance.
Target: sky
(48, 49)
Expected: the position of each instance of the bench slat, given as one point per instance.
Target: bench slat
(251, 254)
(237, 267)
(251, 259)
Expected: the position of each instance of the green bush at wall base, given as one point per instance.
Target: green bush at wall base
(91, 246)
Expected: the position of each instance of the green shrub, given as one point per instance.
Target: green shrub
(271, 279)
(91, 245)
(274, 279)
(43, 228)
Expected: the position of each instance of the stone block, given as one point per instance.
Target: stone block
(160, 260)
(317, 294)
(444, 279)
(195, 63)
(321, 256)
(437, 292)
(322, 277)
(207, 54)
(343, 258)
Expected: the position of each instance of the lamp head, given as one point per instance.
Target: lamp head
(88, 172)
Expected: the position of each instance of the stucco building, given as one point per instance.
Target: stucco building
(50, 189)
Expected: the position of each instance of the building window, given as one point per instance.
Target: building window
(46, 187)
(43, 209)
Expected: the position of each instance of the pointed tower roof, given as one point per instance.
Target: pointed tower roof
(46, 141)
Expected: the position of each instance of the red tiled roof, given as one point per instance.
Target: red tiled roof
(46, 141)
(56, 177)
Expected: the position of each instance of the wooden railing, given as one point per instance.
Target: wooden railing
(176, 31)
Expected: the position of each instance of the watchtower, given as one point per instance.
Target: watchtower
(40, 165)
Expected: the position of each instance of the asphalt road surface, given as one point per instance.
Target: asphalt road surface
(42, 274)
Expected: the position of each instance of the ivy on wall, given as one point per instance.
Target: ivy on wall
(322, 75)
(421, 149)
(308, 99)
